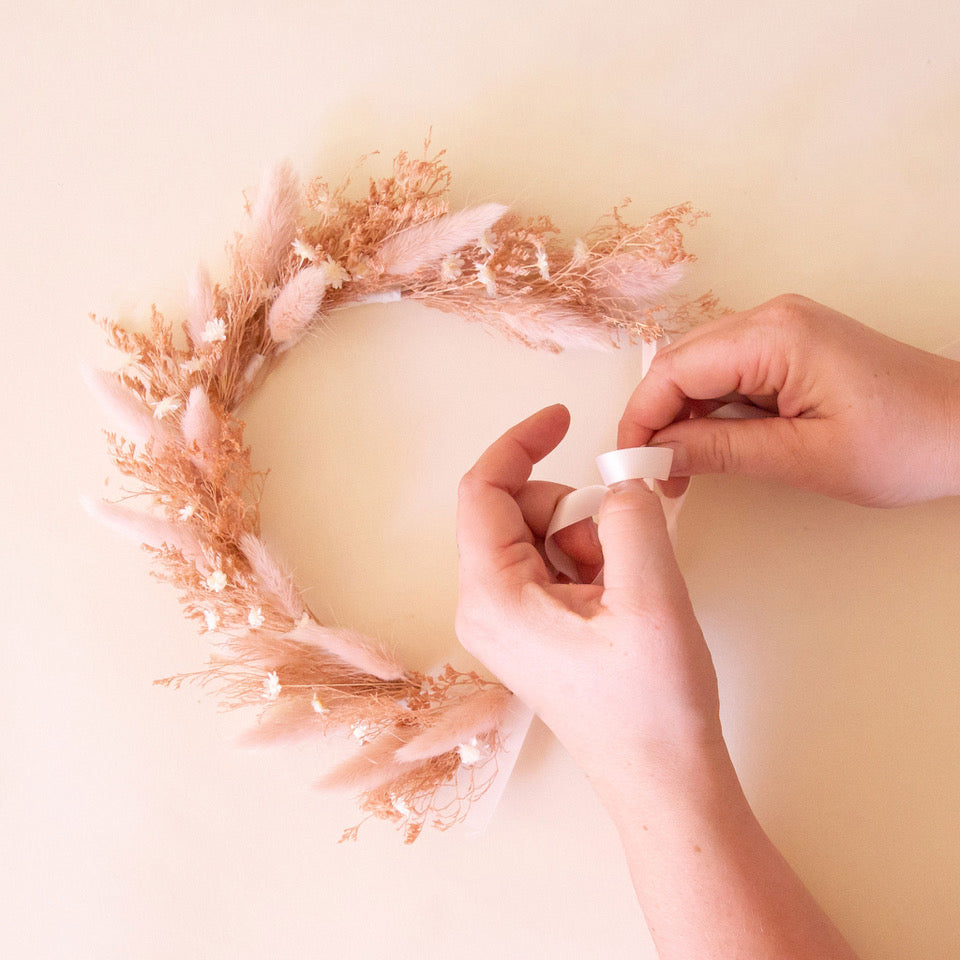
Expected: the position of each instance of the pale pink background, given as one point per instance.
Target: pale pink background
(823, 139)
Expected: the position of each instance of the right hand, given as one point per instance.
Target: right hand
(860, 417)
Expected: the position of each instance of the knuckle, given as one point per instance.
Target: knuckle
(791, 312)
(468, 485)
(722, 453)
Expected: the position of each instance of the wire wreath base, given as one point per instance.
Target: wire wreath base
(427, 745)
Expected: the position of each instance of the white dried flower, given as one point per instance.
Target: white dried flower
(212, 618)
(215, 331)
(165, 406)
(305, 251)
(580, 253)
(336, 276)
(253, 367)
(362, 730)
(194, 365)
(318, 707)
(400, 805)
(451, 268)
(256, 618)
(542, 264)
(271, 686)
(185, 513)
(216, 581)
(486, 276)
(470, 752)
(362, 269)
(487, 243)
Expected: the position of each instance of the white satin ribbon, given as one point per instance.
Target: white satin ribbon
(615, 466)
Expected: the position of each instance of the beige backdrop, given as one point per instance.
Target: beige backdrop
(822, 137)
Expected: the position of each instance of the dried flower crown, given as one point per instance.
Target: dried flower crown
(429, 743)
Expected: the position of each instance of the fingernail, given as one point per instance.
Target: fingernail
(680, 467)
(622, 486)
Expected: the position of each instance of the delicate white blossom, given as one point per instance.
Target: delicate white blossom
(486, 276)
(487, 243)
(318, 707)
(304, 250)
(165, 406)
(470, 752)
(362, 269)
(212, 618)
(216, 581)
(215, 331)
(186, 512)
(193, 365)
(271, 686)
(336, 275)
(451, 268)
(362, 730)
(256, 618)
(400, 805)
(542, 264)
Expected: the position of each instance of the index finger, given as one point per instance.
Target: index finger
(491, 531)
(722, 357)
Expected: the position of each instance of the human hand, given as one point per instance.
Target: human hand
(862, 417)
(619, 672)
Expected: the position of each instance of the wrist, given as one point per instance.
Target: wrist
(667, 777)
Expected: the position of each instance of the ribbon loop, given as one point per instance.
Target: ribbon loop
(615, 466)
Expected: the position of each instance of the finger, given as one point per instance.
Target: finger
(538, 501)
(733, 355)
(639, 564)
(491, 531)
(798, 451)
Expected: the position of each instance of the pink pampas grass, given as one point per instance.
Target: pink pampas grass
(274, 581)
(297, 305)
(201, 309)
(424, 243)
(200, 427)
(374, 766)
(350, 647)
(274, 222)
(131, 416)
(144, 528)
(471, 717)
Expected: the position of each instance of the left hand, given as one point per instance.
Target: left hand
(619, 672)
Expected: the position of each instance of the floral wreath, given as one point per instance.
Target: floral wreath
(428, 743)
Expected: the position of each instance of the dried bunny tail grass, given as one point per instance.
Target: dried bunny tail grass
(132, 417)
(419, 245)
(143, 528)
(200, 426)
(201, 308)
(349, 646)
(643, 282)
(543, 326)
(274, 581)
(374, 766)
(297, 305)
(274, 225)
(473, 716)
(292, 719)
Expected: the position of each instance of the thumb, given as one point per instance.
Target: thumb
(791, 450)
(637, 554)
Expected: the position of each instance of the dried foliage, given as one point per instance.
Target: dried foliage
(427, 745)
